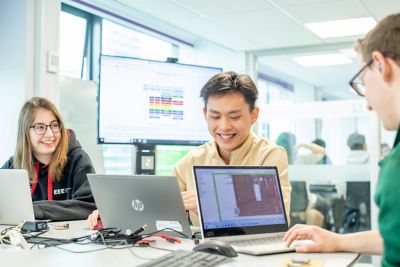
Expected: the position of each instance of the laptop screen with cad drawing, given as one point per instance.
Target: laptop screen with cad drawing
(239, 200)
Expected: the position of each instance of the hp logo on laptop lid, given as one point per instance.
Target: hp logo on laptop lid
(137, 205)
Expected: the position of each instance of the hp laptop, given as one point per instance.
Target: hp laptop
(131, 201)
(242, 205)
(15, 197)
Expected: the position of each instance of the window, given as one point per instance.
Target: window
(270, 91)
(274, 90)
(118, 40)
(72, 45)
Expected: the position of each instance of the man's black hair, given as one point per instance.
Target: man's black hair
(230, 82)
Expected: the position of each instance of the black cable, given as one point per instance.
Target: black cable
(164, 229)
(109, 237)
(64, 242)
(107, 245)
(31, 235)
(4, 231)
(105, 231)
(47, 242)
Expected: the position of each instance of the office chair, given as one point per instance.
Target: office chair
(299, 210)
(357, 207)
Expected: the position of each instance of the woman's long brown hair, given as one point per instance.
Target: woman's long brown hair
(23, 155)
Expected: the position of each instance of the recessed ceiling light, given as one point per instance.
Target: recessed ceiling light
(341, 28)
(322, 60)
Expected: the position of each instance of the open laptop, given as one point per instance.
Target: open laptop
(131, 201)
(15, 197)
(242, 205)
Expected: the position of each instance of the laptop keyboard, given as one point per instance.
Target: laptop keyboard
(183, 258)
(258, 241)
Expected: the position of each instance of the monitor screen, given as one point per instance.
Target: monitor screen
(151, 102)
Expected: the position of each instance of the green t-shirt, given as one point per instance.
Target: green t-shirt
(387, 198)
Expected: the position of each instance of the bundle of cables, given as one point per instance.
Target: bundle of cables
(113, 235)
(20, 234)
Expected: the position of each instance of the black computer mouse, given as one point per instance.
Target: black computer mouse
(216, 247)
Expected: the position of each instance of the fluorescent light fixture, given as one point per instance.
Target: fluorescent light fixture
(322, 60)
(341, 28)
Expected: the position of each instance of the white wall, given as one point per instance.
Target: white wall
(16, 58)
(206, 53)
(28, 29)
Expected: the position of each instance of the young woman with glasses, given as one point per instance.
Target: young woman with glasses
(55, 161)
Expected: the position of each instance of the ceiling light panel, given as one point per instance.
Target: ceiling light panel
(341, 28)
(322, 60)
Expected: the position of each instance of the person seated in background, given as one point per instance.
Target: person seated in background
(325, 159)
(55, 162)
(287, 140)
(313, 153)
(230, 111)
(309, 153)
(315, 210)
(358, 149)
(379, 81)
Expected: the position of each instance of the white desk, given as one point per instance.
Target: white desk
(49, 257)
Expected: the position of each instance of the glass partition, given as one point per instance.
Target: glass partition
(329, 146)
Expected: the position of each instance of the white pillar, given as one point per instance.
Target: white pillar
(252, 71)
(46, 59)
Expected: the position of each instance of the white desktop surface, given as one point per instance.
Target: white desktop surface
(49, 257)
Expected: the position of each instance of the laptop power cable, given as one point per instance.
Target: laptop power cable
(112, 235)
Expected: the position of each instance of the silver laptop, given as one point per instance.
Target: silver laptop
(131, 201)
(242, 205)
(15, 197)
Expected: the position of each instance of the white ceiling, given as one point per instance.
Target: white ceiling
(243, 25)
(262, 26)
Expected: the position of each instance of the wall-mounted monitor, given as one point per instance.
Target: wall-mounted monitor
(151, 102)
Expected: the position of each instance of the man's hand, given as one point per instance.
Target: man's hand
(190, 201)
(324, 240)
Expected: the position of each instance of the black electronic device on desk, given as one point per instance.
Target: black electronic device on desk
(34, 226)
(216, 247)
